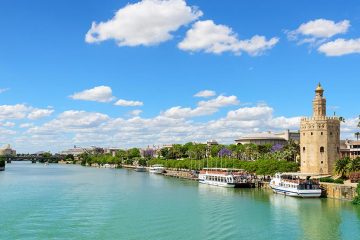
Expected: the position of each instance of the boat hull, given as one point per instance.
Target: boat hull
(297, 193)
(2, 168)
(218, 184)
(140, 169)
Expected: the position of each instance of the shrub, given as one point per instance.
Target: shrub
(355, 177)
(2, 163)
(331, 180)
(357, 198)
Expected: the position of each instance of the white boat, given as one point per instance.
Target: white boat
(295, 185)
(223, 177)
(140, 169)
(157, 168)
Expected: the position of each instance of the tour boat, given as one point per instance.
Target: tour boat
(140, 169)
(295, 185)
(223, 177)
(157, 168)
(2, 168)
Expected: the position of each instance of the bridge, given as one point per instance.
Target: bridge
(32, 157)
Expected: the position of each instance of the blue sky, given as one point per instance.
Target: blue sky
(262, 59)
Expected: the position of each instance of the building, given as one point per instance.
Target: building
(349, 148)
(319, 138)
(269, 138)
(7, 151)
(212, 142)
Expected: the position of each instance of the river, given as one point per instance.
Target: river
(74, 202)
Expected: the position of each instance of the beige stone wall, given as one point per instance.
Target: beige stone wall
(339, 191)
(319, 144)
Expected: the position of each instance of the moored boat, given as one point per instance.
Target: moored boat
(295, 185)
(157, 168)
(2, 168)
(140, 169)
(222, 177)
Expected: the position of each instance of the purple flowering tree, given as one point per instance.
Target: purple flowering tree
(149, 153)
(224, 152)
(277, 147)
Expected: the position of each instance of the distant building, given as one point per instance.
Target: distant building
(211, 143)
(7, 151)
(269, 138)
(349, 148)
(111, 150)
(319, 138)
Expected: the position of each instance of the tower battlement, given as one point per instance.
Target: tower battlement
(319, 138)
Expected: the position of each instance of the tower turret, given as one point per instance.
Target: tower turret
(319, 102)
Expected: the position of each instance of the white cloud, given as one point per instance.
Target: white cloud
(2, 90)
(26, 125)
(250, 113)
(320, 28)
(7, 124)
(340, 47)
(136, 112)
(39, 113)
(205, 94)
(127, 103)
(216, 38)
(17, 111)
(147, 22)
(204, 107)
(97, 94)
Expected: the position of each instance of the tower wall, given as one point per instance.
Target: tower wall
(319, 138)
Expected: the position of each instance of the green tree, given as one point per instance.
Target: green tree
(354, 165)
(357, 134)
(341, 166)
(133, 153)
(69, 157)
(121, 154)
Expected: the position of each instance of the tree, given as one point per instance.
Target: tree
(215, 149)
(357, 134)
(354, 165)
(69, 157)
(133, 153)
(341, 166)
(122, 154)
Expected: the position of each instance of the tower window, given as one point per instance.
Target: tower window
(303, 134)
(311, 133)
(322, 162)
(322, 133)
(330, 133)
(322, 149)
(303, 149)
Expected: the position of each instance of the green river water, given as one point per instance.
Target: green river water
(74, 202)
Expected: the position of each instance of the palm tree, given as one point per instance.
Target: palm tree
(357, 134)
(342, 119)
(341, 166)
(354, 165)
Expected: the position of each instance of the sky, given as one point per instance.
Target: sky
(116, 73)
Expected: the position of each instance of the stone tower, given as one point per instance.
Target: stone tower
(319, 138)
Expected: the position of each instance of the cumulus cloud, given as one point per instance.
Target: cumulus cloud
(127, 103)
(318, 30)
(26, 125)
(340, 47)
(147, 22)
(7, 124)
(205, 94)
(39, 113)
(136, 112)
(16, 111)
(97, 94)
(216, 38)
(2, 90)
(204, 107)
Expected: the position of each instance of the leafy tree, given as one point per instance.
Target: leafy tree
(354, 165)
(133, 153)
(69, 157)
(121, 154)
(266, 148)
(142, 162)
(46, 155)
(341, 166)
(215, 149)
(164, 152)
(357, 134)
(2, 163)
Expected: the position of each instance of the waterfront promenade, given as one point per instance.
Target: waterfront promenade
(73, 202)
